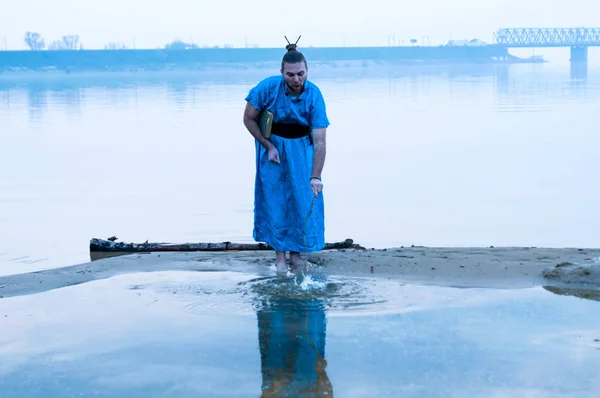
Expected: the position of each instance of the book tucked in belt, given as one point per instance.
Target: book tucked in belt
(265, 122)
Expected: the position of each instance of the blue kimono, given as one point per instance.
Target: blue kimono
(291, 337)
(282, 195)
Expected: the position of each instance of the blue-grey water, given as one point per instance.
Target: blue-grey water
(445, 155)
(222, 334)
(438, 155)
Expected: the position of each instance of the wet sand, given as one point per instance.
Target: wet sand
(504, 267)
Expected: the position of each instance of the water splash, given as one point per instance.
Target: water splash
(329, 292)
(234, 293)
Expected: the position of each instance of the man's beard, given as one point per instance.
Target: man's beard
(289, 86)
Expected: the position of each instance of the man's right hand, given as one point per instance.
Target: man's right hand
(273, 154)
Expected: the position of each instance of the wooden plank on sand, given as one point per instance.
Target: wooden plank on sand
(104, 245)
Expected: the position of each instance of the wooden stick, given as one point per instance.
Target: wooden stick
(102, 245)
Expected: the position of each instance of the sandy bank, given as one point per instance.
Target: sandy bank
(505, 267)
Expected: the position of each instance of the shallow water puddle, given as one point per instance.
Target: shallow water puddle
(225, 334)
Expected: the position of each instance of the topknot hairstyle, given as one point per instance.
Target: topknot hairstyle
(292, 56)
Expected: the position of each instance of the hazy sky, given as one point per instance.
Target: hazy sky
(152, 23)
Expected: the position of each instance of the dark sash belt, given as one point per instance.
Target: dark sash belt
(291, 130)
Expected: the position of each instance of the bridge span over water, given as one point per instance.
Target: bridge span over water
(579, 39)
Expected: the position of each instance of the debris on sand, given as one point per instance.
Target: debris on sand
(566, 272)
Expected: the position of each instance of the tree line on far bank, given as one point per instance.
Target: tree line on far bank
(36, 42)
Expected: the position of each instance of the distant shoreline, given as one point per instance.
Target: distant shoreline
(71, 61)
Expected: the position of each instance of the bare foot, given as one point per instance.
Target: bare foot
(281, 262)
(282, 268)
(297, 261)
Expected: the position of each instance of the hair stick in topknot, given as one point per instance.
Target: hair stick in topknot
(290, 46)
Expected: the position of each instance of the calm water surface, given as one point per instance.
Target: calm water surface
(462, 156)
(221, 334)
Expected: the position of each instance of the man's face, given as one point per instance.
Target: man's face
(294, 75)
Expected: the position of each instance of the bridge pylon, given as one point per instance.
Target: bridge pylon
(579, 54)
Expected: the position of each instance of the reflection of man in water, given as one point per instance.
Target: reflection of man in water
(291, 335)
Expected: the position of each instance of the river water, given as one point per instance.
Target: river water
(446, 155)
(232, 334)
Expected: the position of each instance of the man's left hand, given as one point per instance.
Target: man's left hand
(316, 185)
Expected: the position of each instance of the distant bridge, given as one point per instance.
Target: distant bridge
(588, 37)
(579, 39)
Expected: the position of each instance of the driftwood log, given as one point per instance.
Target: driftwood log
(102, 245)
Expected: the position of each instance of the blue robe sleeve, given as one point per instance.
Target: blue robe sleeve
(318, 115)
(257, 97)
